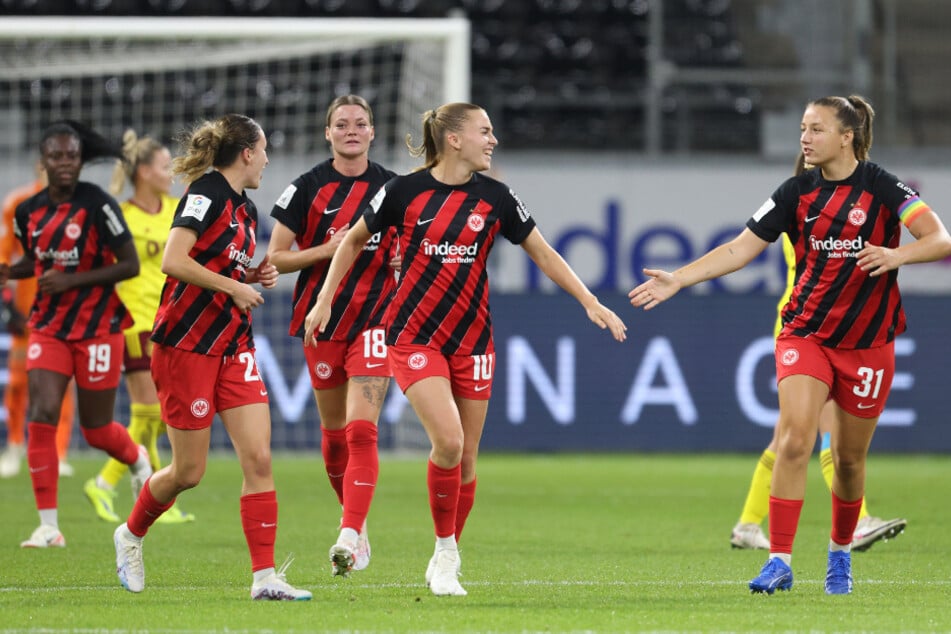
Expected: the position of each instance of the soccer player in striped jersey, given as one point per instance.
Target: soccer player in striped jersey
(76, 243)
(149, 213)
(15, 394)
(203, 359)
(748, 533)
(439, 333)
(349, 369)
(844, 219)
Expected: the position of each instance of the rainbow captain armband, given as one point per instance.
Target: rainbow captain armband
(911, 209)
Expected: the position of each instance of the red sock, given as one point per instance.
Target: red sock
(44, 463)
(783, 522)
(444, 497)
(114, 439)
(333, 445)
(466, 500)
(363, 469)
(845, 516)
(145, 511)
(259, 521)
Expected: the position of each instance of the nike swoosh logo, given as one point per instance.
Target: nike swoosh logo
(442, 495)
(266, 525)
(362, 484)
(374, 365)
(263, 392)
(808, 219)
(328, 212)
(480, 388)
(864, 406)
(38, 469)
(424, 222)
(233, 225)
(37, 233)
(95, 379)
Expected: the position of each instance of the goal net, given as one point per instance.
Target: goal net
(159, 76)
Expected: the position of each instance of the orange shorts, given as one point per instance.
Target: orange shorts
(859, 380)
(331, 363)
(469, 375)
(193, 387)
(96, 362)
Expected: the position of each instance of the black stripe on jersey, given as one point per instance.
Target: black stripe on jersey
(417, 295)
(462, 328)
(829, 299)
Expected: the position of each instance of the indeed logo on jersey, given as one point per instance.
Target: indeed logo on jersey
(238, 255)
(374, 242)
(451, 253)
(62, 258)
(837, 248)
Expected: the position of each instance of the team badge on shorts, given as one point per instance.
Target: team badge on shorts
(323, 370)
(417, 361)
(200, 408)
(790, 356)
(34, 352)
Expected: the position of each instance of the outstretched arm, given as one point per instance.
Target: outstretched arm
(724, 259)
(555, 267)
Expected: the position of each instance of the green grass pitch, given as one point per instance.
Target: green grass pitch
(555, 543)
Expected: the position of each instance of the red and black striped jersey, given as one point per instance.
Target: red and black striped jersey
(445, 235)
(828, 223)
(315, 206)
(197, 319)
(78, 235)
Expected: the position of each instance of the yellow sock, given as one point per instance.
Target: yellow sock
(153, 415)
(756, 506)
(828, 470)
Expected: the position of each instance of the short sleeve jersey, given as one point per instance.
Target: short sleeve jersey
(315, 206)
(197, 319)
(142, 293)
(828, 223)
(446, 233)
(78, 235)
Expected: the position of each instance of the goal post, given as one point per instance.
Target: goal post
(158, 75)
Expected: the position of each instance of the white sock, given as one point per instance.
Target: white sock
(50, 517)
(348, 536)
(102, 484)
(833, 547)
(141, 462)
(261, 575)
(446, 543)
(786, 558)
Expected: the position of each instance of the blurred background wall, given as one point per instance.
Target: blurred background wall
(638, 132)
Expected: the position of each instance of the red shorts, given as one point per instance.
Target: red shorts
(192, 387)
(138, 350)
(469, 375)
(331, 363)
(96, 362)
(859, 380)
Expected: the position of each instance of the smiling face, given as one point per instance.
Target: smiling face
(821, 136)
(476, 141)
(350, 132)
(61, 157)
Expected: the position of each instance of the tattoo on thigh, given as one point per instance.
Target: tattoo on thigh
(373, 388)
